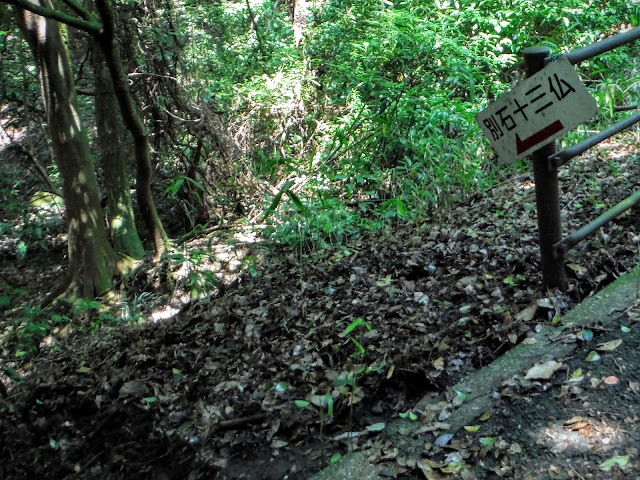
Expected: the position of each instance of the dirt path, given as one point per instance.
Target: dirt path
(581, 424)
(561, 405)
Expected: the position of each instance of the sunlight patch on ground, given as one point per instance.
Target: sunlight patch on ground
(624, 144)
(205, 267)
(582, 436)
(170, 310)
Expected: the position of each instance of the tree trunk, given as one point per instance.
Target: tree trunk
(114, 155)
(134, 124)
(299, 12)
(92, 260)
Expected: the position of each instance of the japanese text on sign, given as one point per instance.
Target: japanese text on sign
(537, 111)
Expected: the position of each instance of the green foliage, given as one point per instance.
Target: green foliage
(327, 223)
(397, 89)
(31, 328)
(178, 182)
(196, 278)
(18, 83)
(249, 265)
(409, 414)
(347, 383)
(409, 70)
(372, 120)
(355, 324)
(133, 310)
(224, 53)
(422, 70)
(30, 325)
(91, 314)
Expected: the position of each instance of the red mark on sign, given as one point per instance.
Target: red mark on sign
(539, 136)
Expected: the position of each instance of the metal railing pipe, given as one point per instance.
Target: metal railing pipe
(570, 241)
(596, 48)
(563, 156)
(547, 194)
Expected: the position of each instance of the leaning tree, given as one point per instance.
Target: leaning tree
(92, 260)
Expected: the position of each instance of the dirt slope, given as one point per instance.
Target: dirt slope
(239, 386)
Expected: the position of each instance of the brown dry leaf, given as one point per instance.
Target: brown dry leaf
(406, 462)
(611, 380)
(586, 430)
(560, 447)
(579, 269)
(527, 314)
(486, 415)
(608, 346)
(431, 427)
(557, 473)
(429, 472)
(515, 448)
(574, 420)
(467, 474)
(136, 388)
(431, 463)
(577, 425)
(437, 406)
(415, 241)
(507, 319)
(277, 444)
(389, 454)
(543, 370)
(295, 311)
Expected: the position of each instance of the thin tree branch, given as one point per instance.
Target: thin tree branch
(147, 74)
(254, 24)
(43, 171)
(92, 27)
(241, 422)
(79, 9)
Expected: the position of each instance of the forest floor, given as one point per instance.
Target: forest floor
(274, 377)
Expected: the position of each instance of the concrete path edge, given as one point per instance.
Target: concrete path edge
(601, 308)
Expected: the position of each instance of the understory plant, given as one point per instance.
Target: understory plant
(399, 85)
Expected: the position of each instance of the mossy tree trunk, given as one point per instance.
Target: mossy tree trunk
(105, 35)
(135, 125)
(92, 260)
(115, 152)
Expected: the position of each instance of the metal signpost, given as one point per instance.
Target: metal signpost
(529, 118)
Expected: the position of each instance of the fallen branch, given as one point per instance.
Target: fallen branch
(241, 422)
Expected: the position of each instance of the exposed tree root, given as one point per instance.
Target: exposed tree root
(57, 291)
(80, 285)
